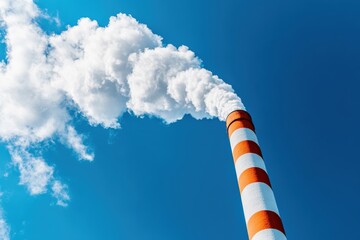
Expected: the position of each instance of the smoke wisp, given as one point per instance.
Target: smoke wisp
(4, 227)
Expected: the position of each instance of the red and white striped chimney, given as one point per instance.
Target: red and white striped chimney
(261, 213)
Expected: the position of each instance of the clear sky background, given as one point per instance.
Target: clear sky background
(296, 66)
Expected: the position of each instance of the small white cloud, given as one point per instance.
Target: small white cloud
(38, 176)
(60, 193)
(35, 174)
(75, 142)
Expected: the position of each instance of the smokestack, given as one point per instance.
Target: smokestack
(261, 213)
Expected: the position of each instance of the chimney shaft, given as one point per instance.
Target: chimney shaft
(261, 213)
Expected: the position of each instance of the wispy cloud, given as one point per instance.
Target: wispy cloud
(4, 227)
(34, 172)
(59, 191)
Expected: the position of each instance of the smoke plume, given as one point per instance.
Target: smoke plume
(99, 72)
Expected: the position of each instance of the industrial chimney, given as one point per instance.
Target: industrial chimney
(261, 213)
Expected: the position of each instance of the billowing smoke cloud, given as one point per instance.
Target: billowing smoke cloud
(99, 72)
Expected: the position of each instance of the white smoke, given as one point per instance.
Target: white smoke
(99, 72)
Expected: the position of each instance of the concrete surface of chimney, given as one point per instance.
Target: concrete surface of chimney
(261, 213)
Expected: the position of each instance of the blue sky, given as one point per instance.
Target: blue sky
(296, 67)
